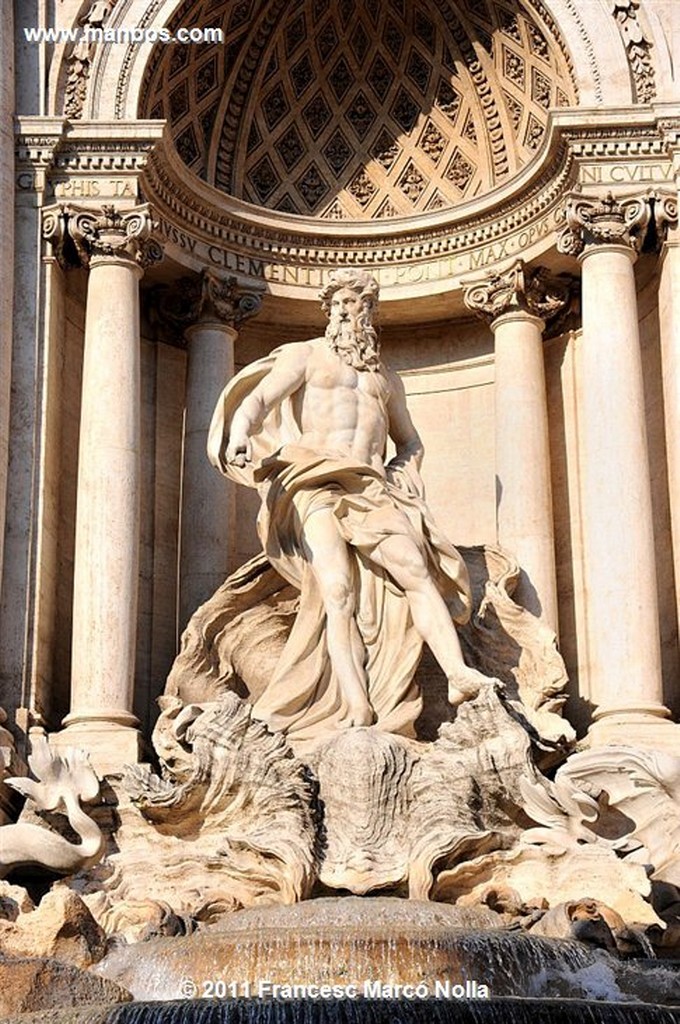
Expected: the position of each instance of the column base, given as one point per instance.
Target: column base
(110, 744)
(635, 725)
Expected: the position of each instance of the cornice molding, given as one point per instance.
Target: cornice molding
(431, 252)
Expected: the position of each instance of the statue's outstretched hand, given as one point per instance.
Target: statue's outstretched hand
(239, 452)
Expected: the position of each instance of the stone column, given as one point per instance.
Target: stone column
(621, 609)
(517, 304)
(213, 315)
(8, 255)
(116, 246)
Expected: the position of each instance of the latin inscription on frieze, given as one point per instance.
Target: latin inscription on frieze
(645, 172)
(95, 188)
(448, 267)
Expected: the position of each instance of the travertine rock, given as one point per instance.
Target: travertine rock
(61, 928)
(230, 824)
(560, 878)
(31, 983)
(14, 900)
(235, 822)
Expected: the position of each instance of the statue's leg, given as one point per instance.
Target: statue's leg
(405, 563)
(329, 559)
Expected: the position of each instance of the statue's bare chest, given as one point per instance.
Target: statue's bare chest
(328, 372)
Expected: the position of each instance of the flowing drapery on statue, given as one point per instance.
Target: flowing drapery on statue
(309, 427)
(304, 697)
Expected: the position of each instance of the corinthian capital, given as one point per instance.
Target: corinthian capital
(207, 297)
(519, 288)
(607, 221)
(85, 235)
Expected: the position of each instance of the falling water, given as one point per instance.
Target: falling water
(360, 944)
(493, 1011)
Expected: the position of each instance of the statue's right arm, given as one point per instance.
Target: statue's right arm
(285, 377)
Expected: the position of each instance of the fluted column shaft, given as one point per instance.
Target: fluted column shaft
(524, 498)
(208, 503)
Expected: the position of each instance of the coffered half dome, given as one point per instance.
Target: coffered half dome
(360, 109)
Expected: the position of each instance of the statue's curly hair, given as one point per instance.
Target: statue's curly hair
(358, 280)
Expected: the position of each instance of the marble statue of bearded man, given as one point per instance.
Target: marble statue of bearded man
(309, 427)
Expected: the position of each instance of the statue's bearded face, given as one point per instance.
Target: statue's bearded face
(350, 332)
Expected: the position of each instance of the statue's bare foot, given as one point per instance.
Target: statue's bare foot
(465, 685)
(358, 713)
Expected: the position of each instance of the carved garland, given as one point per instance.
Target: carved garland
(637, 48)
(80, 59)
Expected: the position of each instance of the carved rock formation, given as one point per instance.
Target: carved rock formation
(40, 984)
(236, 820)
(61, 928)
(228, 824)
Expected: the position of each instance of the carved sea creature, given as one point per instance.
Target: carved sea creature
(61, 783)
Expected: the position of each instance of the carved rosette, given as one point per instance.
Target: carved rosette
(202, 299)
(90, 236)
(634, 222)
(519, 288)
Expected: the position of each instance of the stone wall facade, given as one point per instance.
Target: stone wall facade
(507, 169)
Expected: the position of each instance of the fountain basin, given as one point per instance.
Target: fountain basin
(378, 948)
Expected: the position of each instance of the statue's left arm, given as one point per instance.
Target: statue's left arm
(409, 447)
